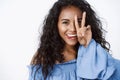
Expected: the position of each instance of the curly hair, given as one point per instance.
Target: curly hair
(51, 44)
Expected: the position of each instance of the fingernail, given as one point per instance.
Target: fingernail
(84, 12)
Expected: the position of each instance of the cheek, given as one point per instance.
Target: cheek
(62, 29)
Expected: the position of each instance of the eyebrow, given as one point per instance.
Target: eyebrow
(65, 19)
(79, 19)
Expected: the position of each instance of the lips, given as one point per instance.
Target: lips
(71, 36)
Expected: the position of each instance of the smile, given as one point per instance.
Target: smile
(72, 36)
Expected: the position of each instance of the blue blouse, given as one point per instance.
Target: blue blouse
(93, 62)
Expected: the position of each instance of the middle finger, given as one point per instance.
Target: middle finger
(83, 19)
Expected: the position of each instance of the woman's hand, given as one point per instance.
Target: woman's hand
(84, 33)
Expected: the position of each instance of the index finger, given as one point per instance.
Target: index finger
(76, 23)
(83, 19)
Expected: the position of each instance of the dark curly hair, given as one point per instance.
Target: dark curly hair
(51, 44)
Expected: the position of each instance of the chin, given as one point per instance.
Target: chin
(72, 44)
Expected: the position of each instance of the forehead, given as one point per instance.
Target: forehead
(70, 12)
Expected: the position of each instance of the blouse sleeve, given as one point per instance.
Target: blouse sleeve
(92, 62)
(116, 75)
(35, 72)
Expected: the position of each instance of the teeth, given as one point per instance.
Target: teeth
(72, 35)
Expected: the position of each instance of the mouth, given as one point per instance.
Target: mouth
(71, 36)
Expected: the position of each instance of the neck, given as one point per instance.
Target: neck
(69, 53)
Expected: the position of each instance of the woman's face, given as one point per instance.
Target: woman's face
(66, 24)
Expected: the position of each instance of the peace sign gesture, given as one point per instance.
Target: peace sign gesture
(84, 33)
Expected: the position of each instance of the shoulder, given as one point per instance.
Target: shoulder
(35, 72)
(116, 74)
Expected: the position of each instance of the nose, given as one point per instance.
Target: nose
(72, 27)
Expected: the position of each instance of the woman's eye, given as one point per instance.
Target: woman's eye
(79, 22)
(65, 22)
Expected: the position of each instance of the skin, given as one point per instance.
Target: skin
(84, 33)
(72, 29)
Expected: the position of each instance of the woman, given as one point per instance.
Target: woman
(72, 46)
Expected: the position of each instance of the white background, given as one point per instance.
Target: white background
(19, 31)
